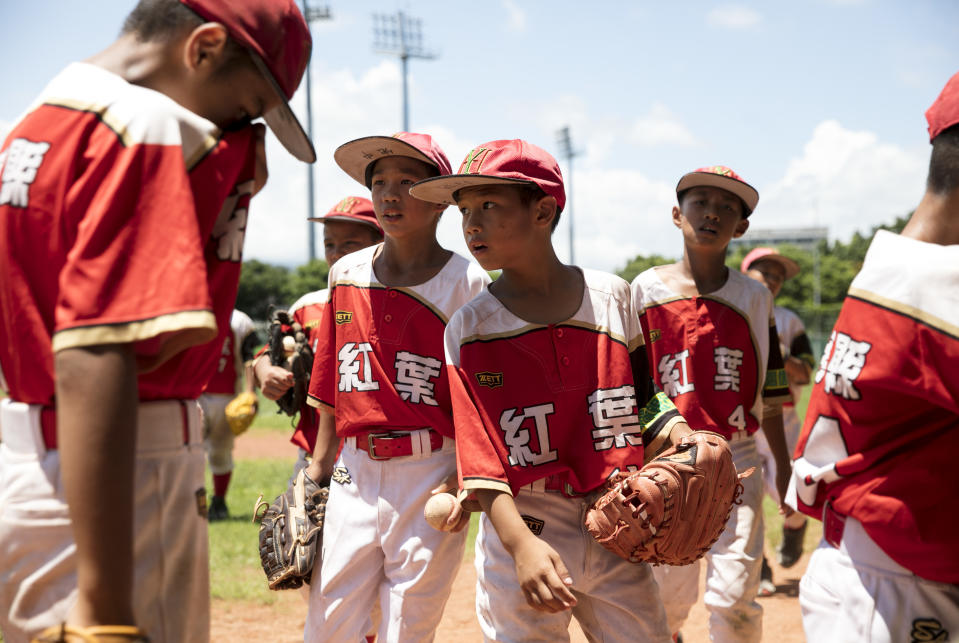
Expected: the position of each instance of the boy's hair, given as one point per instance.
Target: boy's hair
(165, 20)
(530, 193)
(682, 195)
(944, 162)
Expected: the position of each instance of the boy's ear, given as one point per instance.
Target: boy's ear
(677, 217)
(741, 228)
(205, 45)
(544, 211)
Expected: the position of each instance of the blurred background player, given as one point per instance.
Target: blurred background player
(350, 225)
(541, 373)
(876, 460)
(772, 269)
(124, 197)
(713, 349)
(379, 382)
(239, 343)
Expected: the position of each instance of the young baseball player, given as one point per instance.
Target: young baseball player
(378, 371)
(350, 225)
(546, 409)
(123, 202)
(771, 269)
(713, 349)
(239, 343)
(876, 457)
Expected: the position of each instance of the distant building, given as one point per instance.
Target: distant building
(806, 238)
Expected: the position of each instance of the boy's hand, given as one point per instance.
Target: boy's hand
(782, 484)
(543, 577)
(459, 518)
(275, 381)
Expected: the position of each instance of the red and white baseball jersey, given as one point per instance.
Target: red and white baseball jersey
(533, 400)
(716, 356)
(238, 343)
(882, 426)
(308, 312)
(122, 218)
(379, 356)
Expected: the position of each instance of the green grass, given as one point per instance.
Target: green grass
(270, 418)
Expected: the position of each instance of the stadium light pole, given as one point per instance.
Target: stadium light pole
(566, 148)
(311, 14)
(402, 36)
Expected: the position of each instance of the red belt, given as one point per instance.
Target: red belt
(833, 524)
(48, 426)
(384, 445)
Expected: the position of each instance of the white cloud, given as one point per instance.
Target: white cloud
(660, 127)
(5, 128)
(733, 17)
(847, 180)
(516, 16)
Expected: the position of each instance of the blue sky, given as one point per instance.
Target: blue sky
(819, 104)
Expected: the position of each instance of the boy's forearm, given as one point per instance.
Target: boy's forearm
(504, 516)
(772, 425)
(327, 445)
(97, 426)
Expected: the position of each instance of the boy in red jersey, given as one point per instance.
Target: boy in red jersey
(123, 204)
(546, 409)
(713, 349)
(350, 225)
(381, 390)
(876, 457)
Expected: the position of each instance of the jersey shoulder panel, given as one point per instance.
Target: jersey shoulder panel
(311, 298)
(355, 268)
(912, 278)
(136, 115)
(241, 324)
(648, 289)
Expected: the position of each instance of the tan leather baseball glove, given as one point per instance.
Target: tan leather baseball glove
(673, 509)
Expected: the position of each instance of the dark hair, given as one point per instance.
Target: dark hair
(682, 195)
(165, 20)
(944, 162)
(431, 170)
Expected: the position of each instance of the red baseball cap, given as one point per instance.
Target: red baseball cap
(944, 113)
(720, 176)
(498, 163)
(790, 267)
(352, 209)
(279, 42)
(357, 156)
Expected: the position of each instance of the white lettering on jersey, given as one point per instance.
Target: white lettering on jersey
(517, 438)
(230, 227)
(350, 365)
(675, 380)
(23, 159)
(841, 370)
(225, 355)
(413, 373)
(728, 361)
(824, 448)
(615, 420)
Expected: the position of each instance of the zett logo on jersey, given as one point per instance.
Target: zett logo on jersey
(535, 525)
(654, 334)
(343, 316)
(490, 380)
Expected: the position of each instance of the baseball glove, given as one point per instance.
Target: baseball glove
(291, 530)
(64, 633)
(240, 412)
(295, 355)
(673, 509)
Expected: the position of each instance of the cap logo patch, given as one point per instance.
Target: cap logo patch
(346, 205)
(476, 156)
(489, 380)
(720, 170)
(343, 316)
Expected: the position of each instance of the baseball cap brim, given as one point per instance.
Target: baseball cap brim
(440, 189)
(355, 156)
(345, 218)
(789, 266)
(743, 190)
(283, 122)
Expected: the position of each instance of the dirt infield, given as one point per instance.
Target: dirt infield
(283, 621)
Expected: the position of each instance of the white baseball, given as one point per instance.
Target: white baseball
(289, 345)
(438, 508)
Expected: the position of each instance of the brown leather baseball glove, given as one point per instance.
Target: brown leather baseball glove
(673, 509)
(293, 354)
